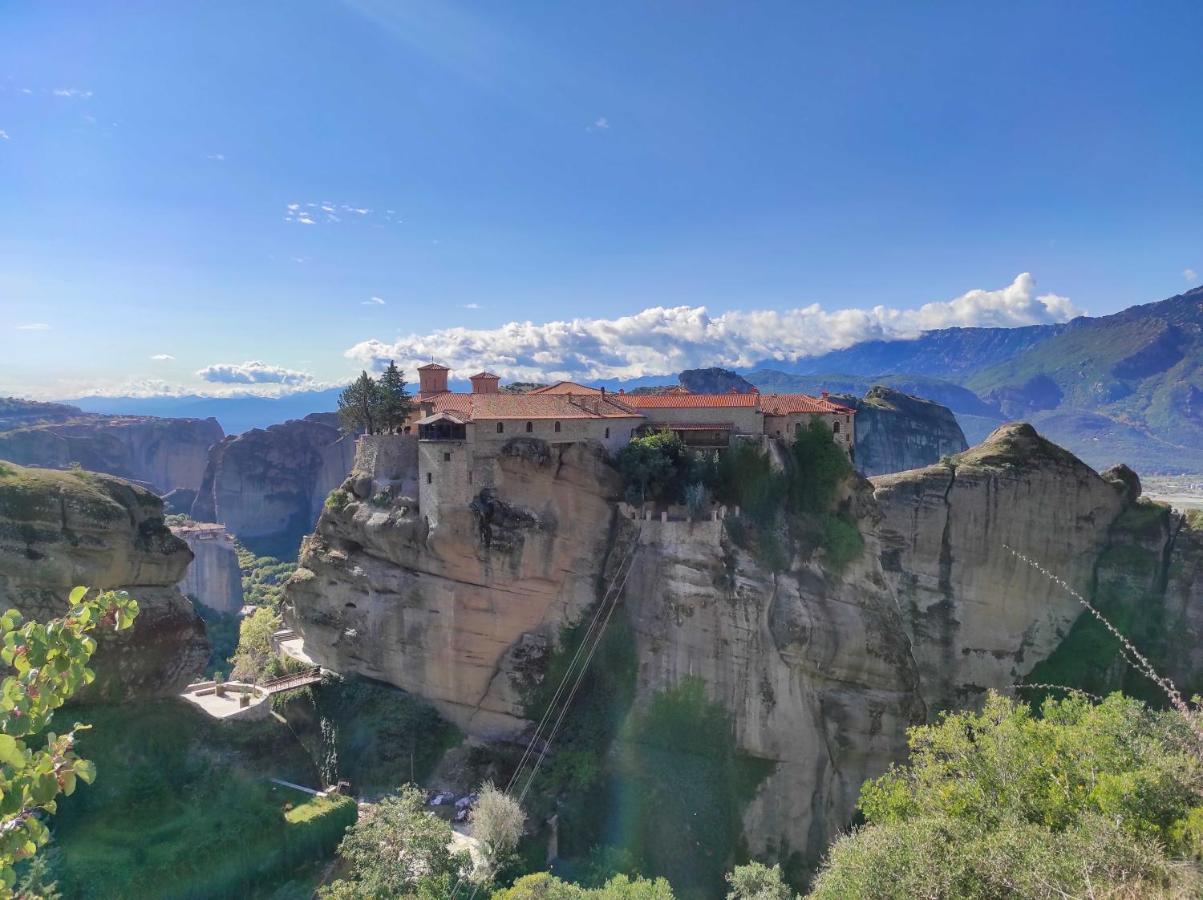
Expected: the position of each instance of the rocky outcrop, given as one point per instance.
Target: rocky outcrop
(461, 613)
(62, 529)
(165, 454)
(821, 670)
(213, 579)
(267, 486)
(896, 432)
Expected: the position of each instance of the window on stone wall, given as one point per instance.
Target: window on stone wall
(797, 428)
(446, 457)
(530, 426)
(500, 427)
(607, 434)
(836, 427)
(429, 477)
(469, 478)
(557, 427)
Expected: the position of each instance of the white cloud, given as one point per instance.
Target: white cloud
(599, 124)
(34, 326)
(663, 340)
(4, 135)
(161, 357)
(74, 93)
(218, 157)
(253, 372)
(1190, 275)
(311, 213)
(471, 306)
(374, 301)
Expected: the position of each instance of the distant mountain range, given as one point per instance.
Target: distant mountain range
(1121, 388)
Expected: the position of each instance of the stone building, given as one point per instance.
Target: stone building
(461, 435)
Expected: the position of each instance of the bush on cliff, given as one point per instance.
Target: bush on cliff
(1085, 800)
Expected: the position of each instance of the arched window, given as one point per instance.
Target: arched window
(797, 428)
(557, 427)
(836, 428)
(530, 426)
(500, 427)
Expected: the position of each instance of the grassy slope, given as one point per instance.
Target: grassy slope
(182, 808)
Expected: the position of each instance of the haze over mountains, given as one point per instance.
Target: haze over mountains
(1121, 388)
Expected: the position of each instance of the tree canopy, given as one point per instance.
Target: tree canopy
(375, 406)
(1004, 802)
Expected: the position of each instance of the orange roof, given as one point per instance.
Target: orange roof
(483, 375)
(689, 401)
(527, 406)
(784, 404)
(565, 387)
(434, 365)
(689, 426)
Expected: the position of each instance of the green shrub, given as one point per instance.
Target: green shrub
(338, 500)
(842, 541)
(1005, 802)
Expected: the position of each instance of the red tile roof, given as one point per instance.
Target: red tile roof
(565, 387)
(528, 406)
(784, 404)
(483, 375)
(689, 401)
(434, 365)
(689, 426)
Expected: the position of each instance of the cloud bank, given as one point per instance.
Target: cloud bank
(664, 340)
(254, 372)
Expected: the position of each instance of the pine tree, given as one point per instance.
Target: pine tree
(359, 406)
(395, 400)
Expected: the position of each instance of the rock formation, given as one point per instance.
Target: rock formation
(166, 454)
(821, 670)
(62, 529)
(267, 486)
(896, 432)
(213, 579)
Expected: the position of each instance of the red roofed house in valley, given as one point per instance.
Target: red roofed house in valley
(462, 435)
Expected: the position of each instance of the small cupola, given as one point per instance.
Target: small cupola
(485, 383)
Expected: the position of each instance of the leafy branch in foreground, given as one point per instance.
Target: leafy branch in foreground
(49, 663)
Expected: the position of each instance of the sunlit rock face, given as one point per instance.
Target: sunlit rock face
(214, 578)
(267, 485)
(166, 454)
(896, 432)
(821, 670)
(459, 613)
(62, 529)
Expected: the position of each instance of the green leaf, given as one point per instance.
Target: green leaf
(85, 770)
(77, 594)
(10, 752)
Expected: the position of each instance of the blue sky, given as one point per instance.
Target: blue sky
(549, 162)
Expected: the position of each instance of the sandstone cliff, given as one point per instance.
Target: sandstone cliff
(896, 432)
(167, 454)
(821, 670)
(61, 529)
(458, 614)
(213, 578)
(267, 486)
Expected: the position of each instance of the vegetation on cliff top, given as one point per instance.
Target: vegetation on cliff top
(376, 406)
(1080, 799)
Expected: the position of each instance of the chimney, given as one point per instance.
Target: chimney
(824, 395)
(432, 379)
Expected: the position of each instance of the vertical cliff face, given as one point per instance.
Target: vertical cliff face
(461, 614)
(167, 454)
(814, 667)
(822, 670)
(213, 579)
(61, 529)
(896, 432)
(267, 486)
